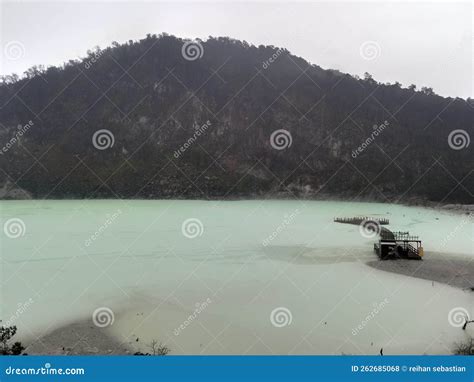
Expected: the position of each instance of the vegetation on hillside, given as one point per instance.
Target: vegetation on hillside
(6, 347)
(152, 98)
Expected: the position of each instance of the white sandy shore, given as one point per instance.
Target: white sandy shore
(199, 331)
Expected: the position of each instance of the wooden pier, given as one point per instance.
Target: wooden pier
(398, 245)
(391, 245)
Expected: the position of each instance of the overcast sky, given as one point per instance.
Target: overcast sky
(425, 43)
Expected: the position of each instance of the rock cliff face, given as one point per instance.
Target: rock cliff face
(9, 191)
(167, 118)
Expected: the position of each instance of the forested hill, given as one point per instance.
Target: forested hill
(166, 118)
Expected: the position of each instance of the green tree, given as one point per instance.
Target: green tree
(6, 334)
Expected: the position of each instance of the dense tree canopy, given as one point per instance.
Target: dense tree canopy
(152, 95)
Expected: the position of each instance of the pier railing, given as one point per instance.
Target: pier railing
(386, 234)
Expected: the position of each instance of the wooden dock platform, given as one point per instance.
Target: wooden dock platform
(398, 245)
(391, 245)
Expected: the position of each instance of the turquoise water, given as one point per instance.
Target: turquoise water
(247, 257)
